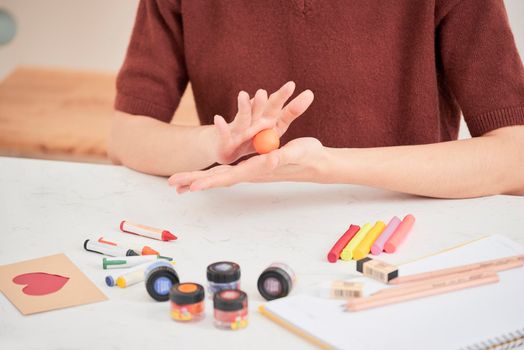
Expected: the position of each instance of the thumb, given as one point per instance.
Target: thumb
(222, 126)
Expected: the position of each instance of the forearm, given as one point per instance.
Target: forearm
(492, 164)
(158, 148)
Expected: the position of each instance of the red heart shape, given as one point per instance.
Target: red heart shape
(40, 283)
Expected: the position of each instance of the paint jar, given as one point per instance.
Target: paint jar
(160, 276)
(221, 276)
(187, 302)
(230, 309)
(276, 281)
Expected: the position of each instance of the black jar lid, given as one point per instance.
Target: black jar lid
(223, 272)
(274, 283)
(230, 300)
(187, 293)
(160, 279)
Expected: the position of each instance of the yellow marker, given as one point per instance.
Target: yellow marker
(364, 247)
(133, 276)
(347, 253)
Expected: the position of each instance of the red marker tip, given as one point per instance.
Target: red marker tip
(168, 236)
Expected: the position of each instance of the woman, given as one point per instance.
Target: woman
(390, 80)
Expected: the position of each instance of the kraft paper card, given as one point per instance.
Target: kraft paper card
(48, 283)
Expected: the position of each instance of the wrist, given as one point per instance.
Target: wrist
(209, 140)
(336, 165)
(322, 165)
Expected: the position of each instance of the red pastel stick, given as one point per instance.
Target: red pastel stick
(400, 234)
(342, 242)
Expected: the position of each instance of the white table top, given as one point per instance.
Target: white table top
(49, 207)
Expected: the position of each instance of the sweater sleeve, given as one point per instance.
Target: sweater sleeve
(480, 63)
(153, 77)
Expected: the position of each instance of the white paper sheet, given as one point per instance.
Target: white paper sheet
(448, 321)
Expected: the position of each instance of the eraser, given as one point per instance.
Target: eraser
(360, 264)
(346, 290)
(377, 270)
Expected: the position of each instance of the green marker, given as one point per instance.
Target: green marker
(130, 261)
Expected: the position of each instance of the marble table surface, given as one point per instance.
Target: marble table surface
(49, 207)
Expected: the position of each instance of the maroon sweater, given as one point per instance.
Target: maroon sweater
(383, 72)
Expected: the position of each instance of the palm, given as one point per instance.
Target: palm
(235, 149)
(294, 161)
(303, 146)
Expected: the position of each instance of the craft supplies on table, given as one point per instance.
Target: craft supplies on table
(187, 302)
(484, 314)
(276, 281)
(160, 276)
(357, 244)
(146, 231)
(123, 262)
(222, 275)
(230, 309)
(107, 249)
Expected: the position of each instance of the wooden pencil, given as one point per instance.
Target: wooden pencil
(496, 265)
(418, 283)
(418, 286)
(435, 289)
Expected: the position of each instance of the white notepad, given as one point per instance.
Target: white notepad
(455, 320)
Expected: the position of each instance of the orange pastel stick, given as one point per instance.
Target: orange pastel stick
(400, 234)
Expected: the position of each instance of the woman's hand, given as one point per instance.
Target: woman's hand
(300, 160)
(235, 139)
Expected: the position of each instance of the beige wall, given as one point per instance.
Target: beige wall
(93, 34)
(84, 34)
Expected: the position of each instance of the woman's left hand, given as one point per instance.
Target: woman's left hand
(299, 160)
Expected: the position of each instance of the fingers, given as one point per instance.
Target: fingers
(277, 99)
(243, 118)
(182, 189)
(248, 171)
(244, 106)
(293, 110)
(184, 179)
(258, 105)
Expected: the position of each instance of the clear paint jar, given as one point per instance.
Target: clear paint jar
(187, 302)
(276, 281)
(222, 275)
(230, 309)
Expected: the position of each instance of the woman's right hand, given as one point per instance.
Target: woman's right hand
(234, 140)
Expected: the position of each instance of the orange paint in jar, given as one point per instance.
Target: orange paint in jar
(187, 302)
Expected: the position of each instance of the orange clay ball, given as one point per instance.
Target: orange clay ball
(266, 141)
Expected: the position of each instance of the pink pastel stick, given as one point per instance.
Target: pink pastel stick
(400, 234)
(378, 246)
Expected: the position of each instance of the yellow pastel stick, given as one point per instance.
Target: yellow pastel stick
(347, 253)
(364, 247)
